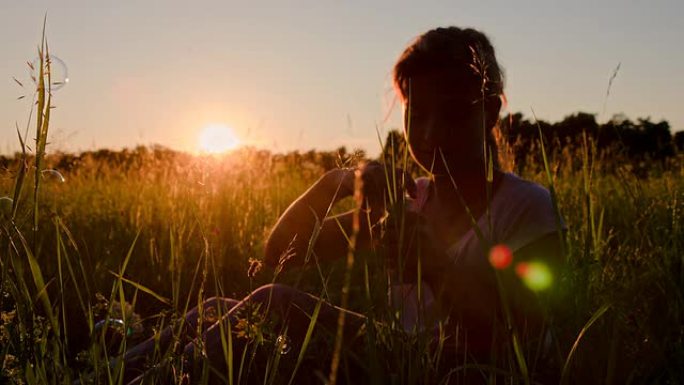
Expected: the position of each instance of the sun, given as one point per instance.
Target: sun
(218, 138)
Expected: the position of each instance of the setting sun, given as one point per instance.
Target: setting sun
(218, 138)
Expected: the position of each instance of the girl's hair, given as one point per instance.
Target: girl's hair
(466, 54)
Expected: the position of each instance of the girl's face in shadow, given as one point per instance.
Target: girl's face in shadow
(442, 115)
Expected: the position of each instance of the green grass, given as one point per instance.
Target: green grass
(158, 224)
(145, 235)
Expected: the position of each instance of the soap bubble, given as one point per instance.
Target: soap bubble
(283, 344)
(114, 323)
(6, 206)
(54, 175)
(59, 75)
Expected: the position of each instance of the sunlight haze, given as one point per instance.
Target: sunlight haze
(316, 74)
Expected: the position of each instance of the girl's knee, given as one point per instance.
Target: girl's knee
(272, 293)
(212, 301)
(225, 303)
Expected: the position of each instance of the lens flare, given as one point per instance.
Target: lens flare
(535, 275)
(500, 256)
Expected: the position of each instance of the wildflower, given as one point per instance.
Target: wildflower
(286, 256)
(255, 266)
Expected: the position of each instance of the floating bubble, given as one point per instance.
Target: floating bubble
(283, 344)
(536, 275)
(114, 323)
(53, 175)
(500, 256)
(6, 202)
(83, 356)
(59, 75)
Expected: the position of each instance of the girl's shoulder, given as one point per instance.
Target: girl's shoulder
(523, 211)
(422, 193)
(515, 188)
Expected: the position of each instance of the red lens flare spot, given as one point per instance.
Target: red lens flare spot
(500, 256)
(522, 269)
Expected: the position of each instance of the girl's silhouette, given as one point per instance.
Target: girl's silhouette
(451, 88)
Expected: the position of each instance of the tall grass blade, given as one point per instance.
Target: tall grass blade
(337, 350)
(585, 328)
(307, 339)
(142, 288)
(39, 282)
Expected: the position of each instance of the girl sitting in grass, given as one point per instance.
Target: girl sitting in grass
(451, 89)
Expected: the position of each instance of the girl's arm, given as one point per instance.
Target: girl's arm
(290, 236)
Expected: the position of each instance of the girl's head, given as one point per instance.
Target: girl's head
(451, 87)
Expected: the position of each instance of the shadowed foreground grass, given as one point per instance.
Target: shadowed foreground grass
(181, 228)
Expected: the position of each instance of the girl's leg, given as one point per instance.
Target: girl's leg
(135, 357)
(285, 307)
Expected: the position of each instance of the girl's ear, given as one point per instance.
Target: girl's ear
(492, 109)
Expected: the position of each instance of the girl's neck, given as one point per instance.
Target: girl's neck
(470, 184)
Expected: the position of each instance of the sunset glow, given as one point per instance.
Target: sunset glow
(218, 138)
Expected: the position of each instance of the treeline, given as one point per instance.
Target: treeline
(163, 159)
(636, 140)
(643, 144)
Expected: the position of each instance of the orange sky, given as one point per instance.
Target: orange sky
(315, 74)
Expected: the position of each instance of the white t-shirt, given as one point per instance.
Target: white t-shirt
(521, 212)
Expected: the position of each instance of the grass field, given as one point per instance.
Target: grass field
(144, 235)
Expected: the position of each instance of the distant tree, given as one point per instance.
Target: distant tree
(679, 141)
(523, 135)
(394, 148)
(6, 162)
(635, 141)
(657, 138)
(328, 160)
(395, 152)
(643, 139)
(572, 127)
(620, 140)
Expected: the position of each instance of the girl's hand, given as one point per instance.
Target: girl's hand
(408, 238)
(379, 184)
